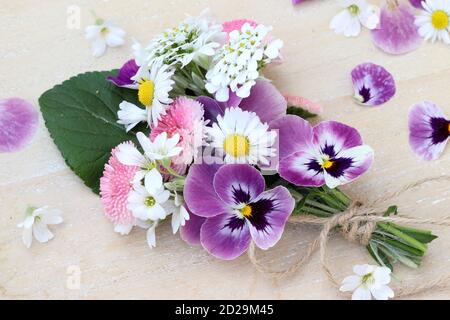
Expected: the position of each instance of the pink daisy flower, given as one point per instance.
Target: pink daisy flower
(185, 117)
(115, 185)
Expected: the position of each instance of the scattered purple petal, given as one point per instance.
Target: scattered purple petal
(397, 33)
(429, 130)
(123, 78)
(18, 123)
(373, 84)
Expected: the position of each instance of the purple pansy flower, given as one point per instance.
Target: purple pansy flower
(373, 84)
(264, 100)
(397, 32)
(429, 130)
(294, 2)
(331, 153)
(230, 208)
(123, 78)
(18, 123)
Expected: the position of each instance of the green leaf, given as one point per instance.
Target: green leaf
(81, 116)
(302, 113)
(392, 210)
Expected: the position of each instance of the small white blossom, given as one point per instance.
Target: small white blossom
(36, 224)
(104, 34)
(146, 201)
(179, 213)
(236, 66)
(348, 22)
(369, 281)
(191, 40)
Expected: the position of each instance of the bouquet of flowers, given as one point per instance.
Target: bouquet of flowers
(191, 131)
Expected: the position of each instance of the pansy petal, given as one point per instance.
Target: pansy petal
(190, 232)
(225, 236)
(301, 168)
(199, 192)
(333, 137)
(295, 134)
(373, 84)
(211, 108)
(270, 212)
(429, 130)
(123, 78)
(397, 32)
(417, 3)
(238, 183)
(266, 101)
(351, 164)
(18, 124)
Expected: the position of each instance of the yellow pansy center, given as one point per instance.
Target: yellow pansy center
(327, 163)
(246, 211)
(236, 145)
(440, 19)
(150, 202)
(146, 92)
(448, 128)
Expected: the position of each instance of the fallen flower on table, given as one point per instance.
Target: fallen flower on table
(397, 32)
(36, 224)
(429, 130)
(18, 123)
(369, 281)
(356, 13)
(104, 34)
(434, 21)
(373, 84)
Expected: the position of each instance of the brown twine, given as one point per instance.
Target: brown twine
(357, 225)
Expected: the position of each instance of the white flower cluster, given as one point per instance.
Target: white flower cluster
(150, 202)
(237, 64)
(190, 40)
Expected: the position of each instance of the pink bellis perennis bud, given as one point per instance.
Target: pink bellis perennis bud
(397, 32)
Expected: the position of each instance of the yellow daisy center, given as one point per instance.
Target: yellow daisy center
(246, 211)
(440, 19)
(146, 92)
(150, 202)
(236, 145)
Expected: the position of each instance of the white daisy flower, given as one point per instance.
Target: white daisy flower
(130, 115)
(236, 66)
(348, 22)
(153, 88)
(36, 224)
(146, 201)
(162, 147)
(242, 137)
(434, 22)
(104, 34)
(369, 281)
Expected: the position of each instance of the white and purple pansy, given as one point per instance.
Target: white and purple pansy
(125, 75)
(429, 130)
(230, 208)
(331, 153)
(373, 84)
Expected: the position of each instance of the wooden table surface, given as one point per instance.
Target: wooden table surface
(38, 51)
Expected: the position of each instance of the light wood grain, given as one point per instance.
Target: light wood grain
(37, 51)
